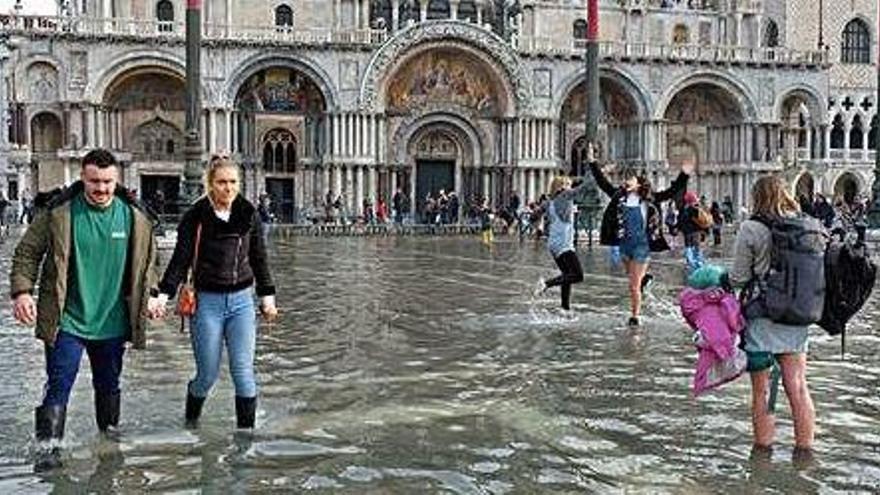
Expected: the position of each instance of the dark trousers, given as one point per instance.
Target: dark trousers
(62, 366)
(572, 273)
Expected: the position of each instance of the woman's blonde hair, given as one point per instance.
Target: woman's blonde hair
(559, 183)
(770, 197)
(216, 163)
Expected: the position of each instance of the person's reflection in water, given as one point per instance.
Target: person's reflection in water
(110, 463)
(104, 479)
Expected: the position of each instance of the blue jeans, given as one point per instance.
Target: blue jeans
(62, 366)
(694, 257)
(230, 318)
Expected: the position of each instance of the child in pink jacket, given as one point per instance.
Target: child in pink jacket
(715, 316)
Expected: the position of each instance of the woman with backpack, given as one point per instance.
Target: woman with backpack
(770, 345)
(632, 225)
(693, 224)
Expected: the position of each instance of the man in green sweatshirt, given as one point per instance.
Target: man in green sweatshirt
(95, 253)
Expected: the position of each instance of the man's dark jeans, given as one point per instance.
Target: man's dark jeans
(62, 366)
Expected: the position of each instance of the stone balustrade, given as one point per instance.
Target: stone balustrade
(150, 29)
(652, 52)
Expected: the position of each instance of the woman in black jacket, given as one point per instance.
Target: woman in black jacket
(632, 224)
(223, 233)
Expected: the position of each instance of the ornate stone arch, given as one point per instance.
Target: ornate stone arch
(43, 83)
(838, 185)
(804, 184)
(810, 96)
(165, 63)
(503, 60)
(23, 84)
(630, 84)
(413, 124)
(741, 94)
(254, 65)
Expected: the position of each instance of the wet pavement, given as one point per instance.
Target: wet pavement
(426, 365)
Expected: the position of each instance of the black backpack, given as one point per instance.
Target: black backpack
(849, 279)
(793, 290)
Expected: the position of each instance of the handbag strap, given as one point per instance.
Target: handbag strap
(192, 268)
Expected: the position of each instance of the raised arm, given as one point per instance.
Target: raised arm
(601, 180)
(678, 185)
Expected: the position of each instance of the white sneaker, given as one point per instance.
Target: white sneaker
(540, 287)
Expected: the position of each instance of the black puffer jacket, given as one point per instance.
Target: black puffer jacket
(232, 255)
(611, 231)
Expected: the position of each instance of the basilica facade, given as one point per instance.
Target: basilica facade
(361, 98)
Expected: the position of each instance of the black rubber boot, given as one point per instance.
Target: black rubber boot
(107, 411)
(193, 409)
(245, 411)
(49, 425)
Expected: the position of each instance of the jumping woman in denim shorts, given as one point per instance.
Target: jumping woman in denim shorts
(632, 224)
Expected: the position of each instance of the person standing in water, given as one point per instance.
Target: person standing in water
(220, 239)
(632, 223)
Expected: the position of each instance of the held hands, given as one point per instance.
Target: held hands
(156, 307)
(268, 309)
(25, 309)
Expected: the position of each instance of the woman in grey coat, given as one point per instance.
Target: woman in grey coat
(772, 346)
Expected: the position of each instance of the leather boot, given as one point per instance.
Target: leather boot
(245, 411)
(49, 425)
(106, 411)
(193, 409)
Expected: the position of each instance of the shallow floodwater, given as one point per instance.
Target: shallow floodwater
(426, 365)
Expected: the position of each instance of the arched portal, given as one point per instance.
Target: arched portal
(619, 137)
(804, 189)
(847, 187)
(705, 124)
(46, 132)
(279, 111)
(145, 114)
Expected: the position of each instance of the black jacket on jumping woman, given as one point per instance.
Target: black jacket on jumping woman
(611, 232)
(232, 255)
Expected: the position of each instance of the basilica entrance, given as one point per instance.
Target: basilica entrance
(281, 192)
(431, 177)
(162, 192)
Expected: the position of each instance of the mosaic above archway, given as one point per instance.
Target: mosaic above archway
(618, 107)
(704, 104)
(147, 91)
(282, 90)
(444, 76)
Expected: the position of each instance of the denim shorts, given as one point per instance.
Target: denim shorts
(638, 252)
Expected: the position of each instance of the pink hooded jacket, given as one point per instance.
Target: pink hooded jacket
(715, 314)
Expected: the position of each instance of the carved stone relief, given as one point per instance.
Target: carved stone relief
(43, 83)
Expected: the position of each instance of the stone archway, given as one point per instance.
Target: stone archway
(804, 189)
(283, 100)
(451, 146)
(706, 124)
(847, 187)
(619, 137)
(46, 131)
(802, 122)
(144, 113)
